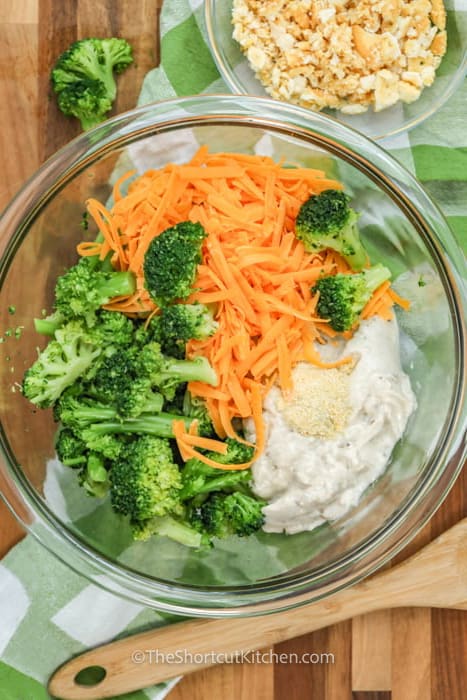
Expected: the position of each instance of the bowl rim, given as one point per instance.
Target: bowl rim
(235, 85)
(212, 601)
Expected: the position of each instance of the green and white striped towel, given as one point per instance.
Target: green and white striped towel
(49, 613)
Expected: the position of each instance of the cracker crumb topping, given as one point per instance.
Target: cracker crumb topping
(342, 54)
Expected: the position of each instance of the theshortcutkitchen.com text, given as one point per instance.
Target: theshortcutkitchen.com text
(184, 656)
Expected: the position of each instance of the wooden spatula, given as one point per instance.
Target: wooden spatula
(434, 577)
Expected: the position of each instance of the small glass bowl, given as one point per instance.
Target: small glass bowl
(402, 228)
(240, 78)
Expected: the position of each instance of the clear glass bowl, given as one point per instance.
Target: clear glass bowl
(240, 78)
(401, 226)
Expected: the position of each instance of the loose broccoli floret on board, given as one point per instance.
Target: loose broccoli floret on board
(83, 77)
(326, 221)
(171, 262)
(342, 297)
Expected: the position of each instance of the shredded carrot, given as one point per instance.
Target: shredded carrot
(255, 273)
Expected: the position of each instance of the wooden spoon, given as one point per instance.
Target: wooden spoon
(434, 577)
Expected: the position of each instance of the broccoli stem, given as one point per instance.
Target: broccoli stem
(48, 325)
(196, 370)
(375, 276)
(116, 284)
(175, 530)
(159, 425)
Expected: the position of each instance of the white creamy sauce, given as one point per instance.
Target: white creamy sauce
(309, 480)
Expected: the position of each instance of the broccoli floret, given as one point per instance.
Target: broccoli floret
(167, 526)
(71, 450)
(109, 446)
(244, 513)
(195, 408)
(94, 477)
(83, 77)
(82, 290)
(200, 478)
(182, 322)
(167, 373)
(85, 99)
(128, 378)
(171, 261)
(343, 296)
(326, 221)
(222, 515)
(145, 481)
(65, 359)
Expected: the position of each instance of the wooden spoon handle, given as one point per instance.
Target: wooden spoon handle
(436, 576)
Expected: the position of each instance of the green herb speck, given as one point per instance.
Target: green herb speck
(11, 310)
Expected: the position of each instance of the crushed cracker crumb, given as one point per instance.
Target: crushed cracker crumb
(342, 54)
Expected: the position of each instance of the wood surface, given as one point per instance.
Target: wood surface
(403, 655)
(436, 576)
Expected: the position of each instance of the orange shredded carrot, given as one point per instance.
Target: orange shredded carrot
(255, 273)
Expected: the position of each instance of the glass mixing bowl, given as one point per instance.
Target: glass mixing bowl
(240, 78)
(401, 227)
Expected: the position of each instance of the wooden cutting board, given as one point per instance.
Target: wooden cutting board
(404, 655)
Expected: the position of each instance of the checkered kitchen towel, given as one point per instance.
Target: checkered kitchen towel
(49, 613)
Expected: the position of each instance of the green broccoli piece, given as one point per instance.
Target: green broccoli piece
(171, 262)
(200, 478)
(94, 477)
(167, 526)
(343, 296)
(144, 480)
(167, 373)
(222, 515)
(82, 290)
(89, 418)
(182, 322)
(326, 221)
(108, 446)
(195, 408)
(71, 450)
(65, 359)
(83, 77)
(85, 99)
(128, 379)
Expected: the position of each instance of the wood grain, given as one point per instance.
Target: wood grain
(32, 34)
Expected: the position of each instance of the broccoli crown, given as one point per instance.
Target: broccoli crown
(65, 359)
(71, 450)
(86, 100)
(108, 446)
(326, 221)
(144, 480)
(244, 513)
(342, 297)
(83, 77)
(127, 377)
(182, 322)
(222, 515)
(112, 328)
(82, 290)
(200, 478)
(171, 261)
